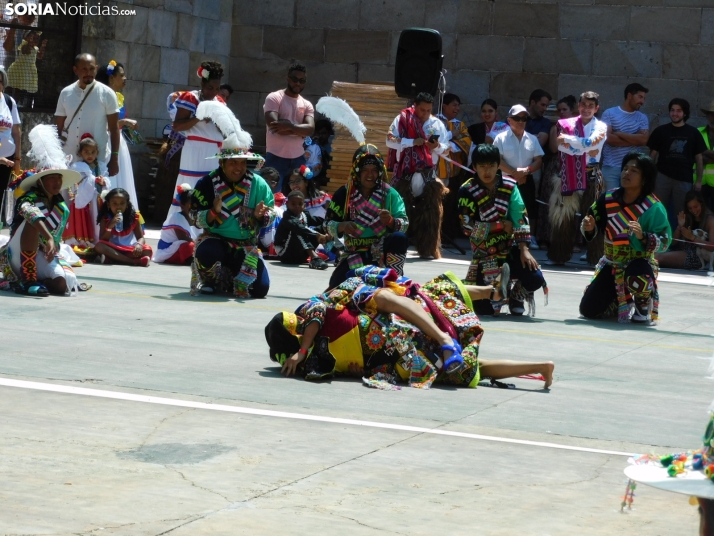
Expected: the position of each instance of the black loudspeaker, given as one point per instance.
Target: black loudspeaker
(418, 64)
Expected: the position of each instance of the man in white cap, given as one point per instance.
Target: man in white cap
(521, 156)
(708, 156)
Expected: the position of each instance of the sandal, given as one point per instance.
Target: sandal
(455, 363)
(32, 289)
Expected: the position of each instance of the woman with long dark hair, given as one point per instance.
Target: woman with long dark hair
(695, 216)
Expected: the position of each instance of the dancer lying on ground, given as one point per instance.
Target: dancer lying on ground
(388, 328)
(635, 226)
(121, 238)
(494, 218)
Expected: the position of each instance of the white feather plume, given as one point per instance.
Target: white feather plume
(338, 111)
(225, 120)
(46, 149)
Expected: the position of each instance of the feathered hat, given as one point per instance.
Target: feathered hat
(49, 159)
(237, 142)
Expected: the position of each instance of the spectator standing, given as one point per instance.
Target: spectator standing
(289, 119)
(10, 139)
(538, 125)
(627, 129)
(488, 128)
(708, 156)
(522, 155)
(89, 106)
(676, 148)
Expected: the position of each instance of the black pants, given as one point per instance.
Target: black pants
(528, 193)
(396, 243)
(298, 249)
(531, 280)
(602, 292)
(211, 251)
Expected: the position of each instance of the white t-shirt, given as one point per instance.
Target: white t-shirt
(622, 121)
(7, 120)
(518, 154)
(92, 117)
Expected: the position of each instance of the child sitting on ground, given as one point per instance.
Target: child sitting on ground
(121, 238)
(177, 235)
(296, 238)
(267, 234)
(81, 231)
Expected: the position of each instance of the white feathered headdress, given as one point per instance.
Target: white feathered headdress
(48, 158)
(338, 111)
(225, 120)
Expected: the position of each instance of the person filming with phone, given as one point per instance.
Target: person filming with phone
(415, 139)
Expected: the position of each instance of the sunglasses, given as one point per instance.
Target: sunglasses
(519, 118)
(297, 80)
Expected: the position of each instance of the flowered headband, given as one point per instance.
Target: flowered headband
(181, 188)
(203, 73)
(306, 172)
(110, 68)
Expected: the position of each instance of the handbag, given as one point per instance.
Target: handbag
(65, 130)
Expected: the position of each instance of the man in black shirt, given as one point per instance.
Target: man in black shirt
(676, 148)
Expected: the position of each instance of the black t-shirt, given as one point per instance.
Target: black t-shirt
(676, 148)
(536, 126)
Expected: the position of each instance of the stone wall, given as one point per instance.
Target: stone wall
(501, 49)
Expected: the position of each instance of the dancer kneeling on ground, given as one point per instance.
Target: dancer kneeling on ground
(30, 261)
(121, 238)
(231, 204)
(634, 223)
(371, 216)
(296, 238)
(494, 218)
(386, 328)
(178, 236)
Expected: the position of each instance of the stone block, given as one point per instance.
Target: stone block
(557, 56)
(153, 4)
(264, 75)
(147, 127)
(144, 62)
(474, 17)
(334, 14)
(226, 11)
(391, 15)
(529, 20)
(442, 15)
(707, 36)
(218, 38)
(705, 95)
(588, 22)
(179, 6)
(191, 33)
(207, 9)
(687, 3)
(636, 58)
(665, 25)
(513, 88)
(246, 106)
(610, 88)
(689, 62)
(357, 46)
(471, 113)
(134, 97)
(110, 49)
(258, 134)
(321, 75)
(99, 26)
(161, 28)
(247, 41)
(294, 43)
(631, 2)
(663, 90)
(489, 53)
(375, 73)
(133, 29)
(153, 105)
(174, 66)
(264, 12)
(471, 86)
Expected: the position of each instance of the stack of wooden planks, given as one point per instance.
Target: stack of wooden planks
(377, 106)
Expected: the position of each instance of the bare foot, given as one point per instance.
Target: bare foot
(547, 373)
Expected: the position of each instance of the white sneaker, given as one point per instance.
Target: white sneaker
(534, 243)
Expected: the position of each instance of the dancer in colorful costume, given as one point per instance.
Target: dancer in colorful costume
(231, 204)
(579, 181)
(31, 260)
(494, 218)
(634, 224)
(387, 329)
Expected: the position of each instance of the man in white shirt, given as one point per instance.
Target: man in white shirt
(627, 129)
(521, 156)
(98, 115)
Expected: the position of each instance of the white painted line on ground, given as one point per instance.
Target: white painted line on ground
(116, 395)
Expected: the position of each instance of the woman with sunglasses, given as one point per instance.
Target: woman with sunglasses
(289, 121)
